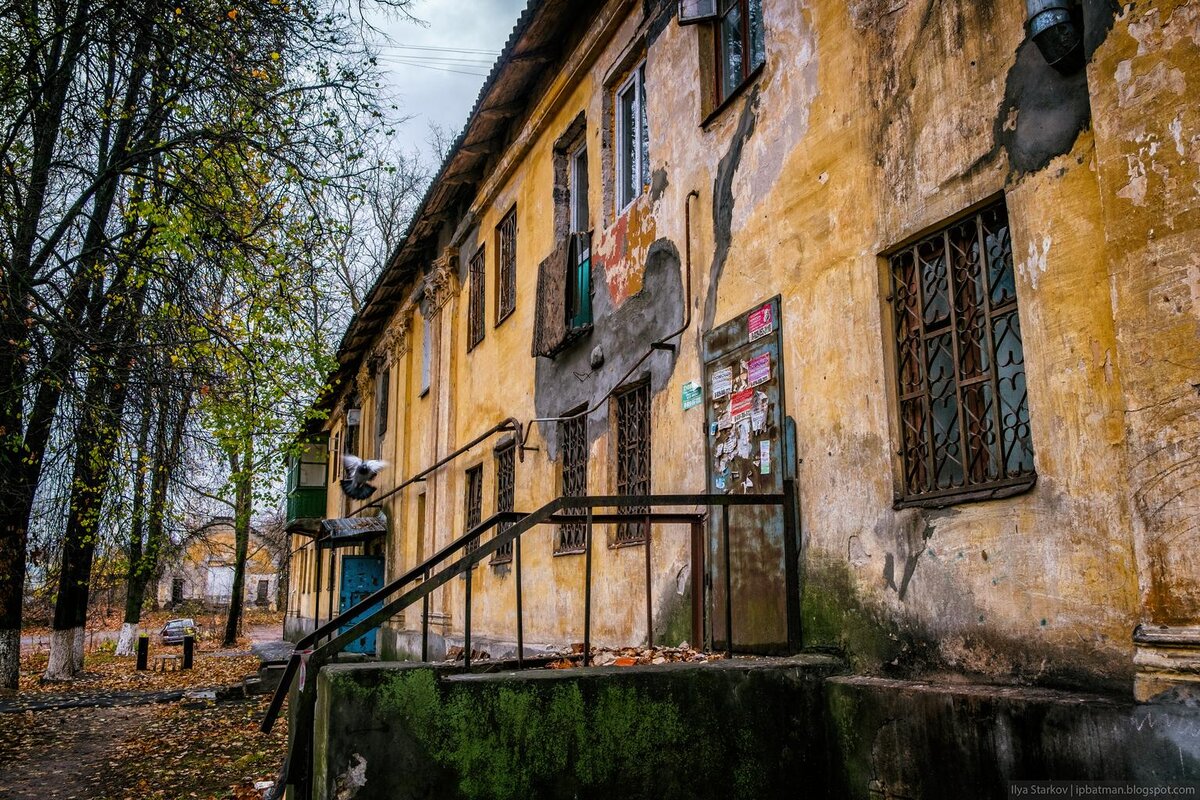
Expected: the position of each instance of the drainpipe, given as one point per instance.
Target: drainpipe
(1055, 30)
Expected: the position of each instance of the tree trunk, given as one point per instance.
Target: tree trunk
(241, 521)
(135, 583)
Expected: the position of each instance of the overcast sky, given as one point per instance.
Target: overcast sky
(437, 69)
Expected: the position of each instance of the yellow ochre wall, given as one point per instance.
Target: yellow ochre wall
(871, 122)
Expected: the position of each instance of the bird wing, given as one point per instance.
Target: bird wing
(374, 466)
(351, 462)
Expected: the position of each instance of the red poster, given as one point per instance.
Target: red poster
(761, 322)
(759, 369)
(741, 404)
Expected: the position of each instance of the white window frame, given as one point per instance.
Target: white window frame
(577, 225)
(634, 84)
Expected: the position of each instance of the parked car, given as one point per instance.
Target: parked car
(175, 629)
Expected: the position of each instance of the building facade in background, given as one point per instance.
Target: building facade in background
(886, 253)
(202, 573)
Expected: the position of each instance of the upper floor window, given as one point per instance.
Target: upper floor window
(383, 383)
(426, 355)
(741, 48)
(506, 265)
(633, 138)
(964, 413)
(475, 305)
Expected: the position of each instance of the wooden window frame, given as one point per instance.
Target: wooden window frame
(506, 266)
(476, 299)
(636, 83)
(749, 68)
(956, 337)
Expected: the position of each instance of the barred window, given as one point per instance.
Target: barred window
(474, 502)
(572, 439)
(633, 455)
(475, 304)
(506, 266)
(506, 473)
(961, 368)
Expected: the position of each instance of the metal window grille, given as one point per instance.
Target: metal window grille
(506, 475)
(572, 438)
(474, 502)
(961, 368)
(506, 266)
(633, 455)
(475, 306)
(741, 47)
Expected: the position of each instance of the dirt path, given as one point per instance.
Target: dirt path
(64, 754)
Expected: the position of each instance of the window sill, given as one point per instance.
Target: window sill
(622, 545)
(751, 79)
(953, 497)
(574, 552)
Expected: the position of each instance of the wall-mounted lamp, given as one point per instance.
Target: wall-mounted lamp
(1057, 33)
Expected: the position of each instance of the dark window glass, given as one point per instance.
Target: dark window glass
(506, 266)
(474, 502)
(960, 365)
(506, 473)
(633, 455)
(741, 46)
(579, 281)
(572, 439)
(475, 304)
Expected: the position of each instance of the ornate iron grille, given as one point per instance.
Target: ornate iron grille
(633, 455)
(506, 474)
(475, 305)
(474, 501)
(506, 266)
(572, 437)
(961, 368)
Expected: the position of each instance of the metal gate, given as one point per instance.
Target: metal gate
(361, 576)
(745, 445)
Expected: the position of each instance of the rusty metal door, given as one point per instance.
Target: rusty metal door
(745, 447)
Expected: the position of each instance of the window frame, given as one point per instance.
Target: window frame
(572, 536)
(910, 364)
(506, 267)
(426, 356)
(476, 298)
(575, 224)
(749, 68)
(383, 391)
(633, 533)
(472, 502)
(635, 82)
(505, 457)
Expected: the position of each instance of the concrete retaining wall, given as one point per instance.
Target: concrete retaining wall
(736, 729)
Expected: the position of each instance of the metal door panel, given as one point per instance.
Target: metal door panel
(361, 576)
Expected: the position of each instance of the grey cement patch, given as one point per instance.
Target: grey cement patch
(568, 381)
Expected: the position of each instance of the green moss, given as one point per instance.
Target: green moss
(673, 619)
(834, 616)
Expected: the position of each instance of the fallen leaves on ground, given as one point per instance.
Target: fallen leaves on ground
(212, 751)
(630, 656)
(108, 673)
(178, 750)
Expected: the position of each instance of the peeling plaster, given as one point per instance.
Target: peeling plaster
(1035, 265)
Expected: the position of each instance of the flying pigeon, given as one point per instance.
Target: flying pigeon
(358, 473)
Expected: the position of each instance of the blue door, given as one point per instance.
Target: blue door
(361, 577)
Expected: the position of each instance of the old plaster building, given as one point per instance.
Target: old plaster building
(887, 250)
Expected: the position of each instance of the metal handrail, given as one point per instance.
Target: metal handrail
(549, 513)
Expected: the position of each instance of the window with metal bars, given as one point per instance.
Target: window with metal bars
(506, 266)
(633, 455)
(964, 410)
(475, 306)
(572, 441)
(474, 502)
(506, 474)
